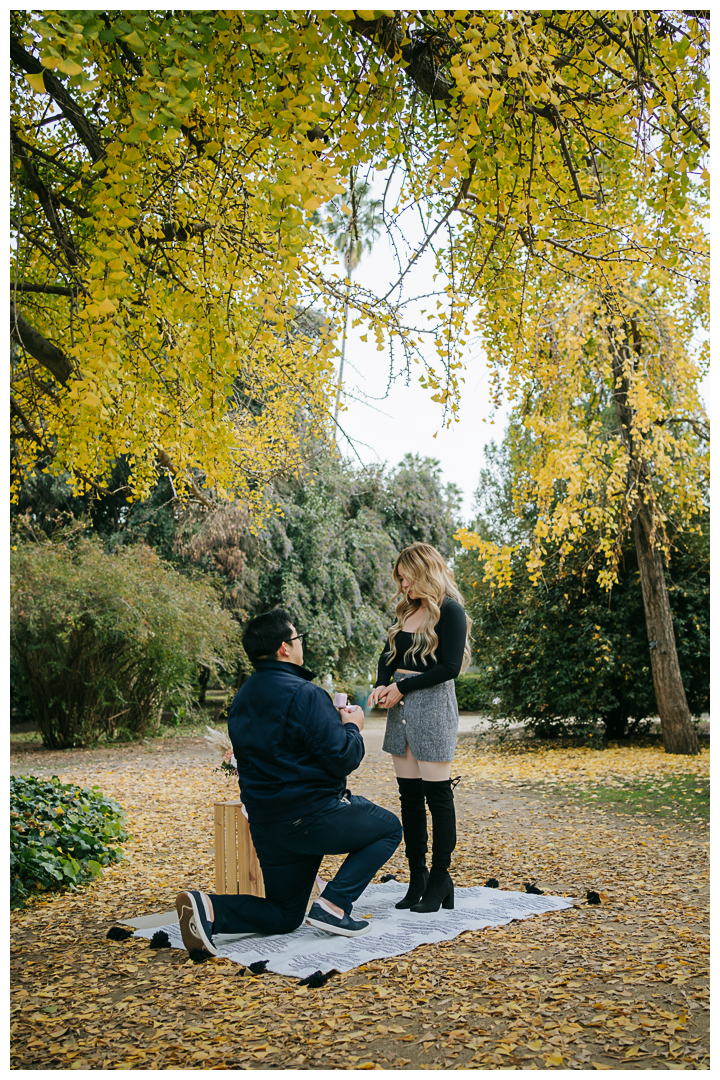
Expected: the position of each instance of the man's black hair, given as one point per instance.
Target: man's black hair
(265, 634)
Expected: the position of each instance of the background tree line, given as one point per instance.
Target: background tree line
(560, 655)
(325, 554)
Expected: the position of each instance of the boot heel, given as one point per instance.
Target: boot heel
(440, 890)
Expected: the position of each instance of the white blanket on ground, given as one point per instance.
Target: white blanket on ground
(393, 932)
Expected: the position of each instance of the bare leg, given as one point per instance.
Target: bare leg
(406, 767)
(435, 770)
(412, 769)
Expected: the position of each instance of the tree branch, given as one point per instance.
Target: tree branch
(52, 290)
(421, 66)
(42, 350)
(66, 102)
(549, 112)
(33, 183)
(51, 160)
(15, 410)
(166, 463)
(701, 430)
(642, 74)
(462, 194)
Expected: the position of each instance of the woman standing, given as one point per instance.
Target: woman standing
(426, 649)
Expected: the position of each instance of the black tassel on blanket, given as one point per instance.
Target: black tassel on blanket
(198, 956)
(118, 933)
(492, 883)
(258, 968)
(532, 889)
(159, 940)
(592, 898)
(317, 979)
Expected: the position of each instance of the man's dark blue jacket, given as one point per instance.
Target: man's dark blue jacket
(293, 751)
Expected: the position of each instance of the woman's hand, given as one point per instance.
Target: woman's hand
(374, 695)
(390, 696)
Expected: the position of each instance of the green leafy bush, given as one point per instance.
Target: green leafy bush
(61, 835)
(101, 641)
(472, 693)
(569, 658)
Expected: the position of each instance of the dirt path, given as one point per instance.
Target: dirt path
(619, 986)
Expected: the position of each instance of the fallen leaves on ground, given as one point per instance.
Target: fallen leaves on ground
(619, 986)
(581, 767)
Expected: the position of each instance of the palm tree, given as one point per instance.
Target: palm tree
(352, 222)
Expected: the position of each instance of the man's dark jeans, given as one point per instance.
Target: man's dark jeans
(290, 853)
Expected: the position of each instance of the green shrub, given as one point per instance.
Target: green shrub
(101, 641)
(61, 835)
(567, 658)
(471, 693)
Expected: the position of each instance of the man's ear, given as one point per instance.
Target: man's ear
(284, 649)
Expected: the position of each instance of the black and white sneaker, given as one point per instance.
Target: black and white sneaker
(195, 925)
(325, 920)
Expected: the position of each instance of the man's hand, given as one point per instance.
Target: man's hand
(374, 695)
(357, 716)
(390, 696)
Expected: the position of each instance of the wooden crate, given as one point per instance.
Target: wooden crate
(237, 869)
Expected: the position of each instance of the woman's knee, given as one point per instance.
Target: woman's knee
(435, 770)
(406, 767)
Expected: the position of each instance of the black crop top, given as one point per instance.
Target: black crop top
(451, 630)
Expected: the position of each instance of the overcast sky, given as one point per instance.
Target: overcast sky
(385, 423)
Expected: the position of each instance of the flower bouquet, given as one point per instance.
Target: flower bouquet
(220, 741)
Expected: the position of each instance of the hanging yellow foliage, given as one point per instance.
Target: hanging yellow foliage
(168, 170)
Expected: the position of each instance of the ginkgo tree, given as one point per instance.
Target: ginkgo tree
(614, 444)
(166, 167)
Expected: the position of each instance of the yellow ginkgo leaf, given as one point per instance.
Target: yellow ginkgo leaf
(37, 82)
(68, 67)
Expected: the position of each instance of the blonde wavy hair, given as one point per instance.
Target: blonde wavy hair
(432, 580)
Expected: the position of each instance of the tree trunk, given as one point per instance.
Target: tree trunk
(679, 735)
(344, 343)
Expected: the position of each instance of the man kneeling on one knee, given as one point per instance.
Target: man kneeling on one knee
(293, 751)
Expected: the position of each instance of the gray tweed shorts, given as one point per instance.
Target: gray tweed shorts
(427, 720)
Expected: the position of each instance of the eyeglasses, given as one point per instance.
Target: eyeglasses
(298, 637)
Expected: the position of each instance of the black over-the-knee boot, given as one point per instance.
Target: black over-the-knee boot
(440, 889)
(414, 823)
